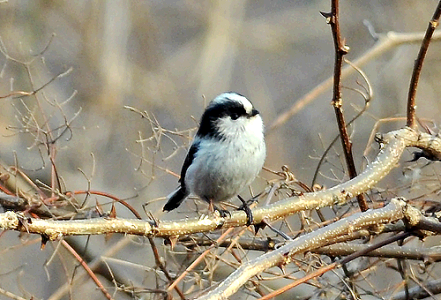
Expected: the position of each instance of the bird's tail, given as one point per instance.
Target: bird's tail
(175, 199)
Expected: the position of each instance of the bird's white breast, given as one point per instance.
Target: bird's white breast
(223, 167)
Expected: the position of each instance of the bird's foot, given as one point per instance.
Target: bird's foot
(222, 212)
(245, 207)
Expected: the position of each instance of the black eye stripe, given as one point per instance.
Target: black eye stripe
(218, 110)
(235, 113)
(227, 108)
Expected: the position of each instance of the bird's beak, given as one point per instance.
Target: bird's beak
(254, 112)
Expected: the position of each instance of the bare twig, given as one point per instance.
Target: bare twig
(386, 42)
(419, 65)
(343, 261)
(198, 260)
(160, 264)
(320, 237)
(430, 287)
(432, 254)
(367, 99)
(337, 102)
(11, 295)
(88, 270)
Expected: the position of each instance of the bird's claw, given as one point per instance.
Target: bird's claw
(245, 207)
(222, 212)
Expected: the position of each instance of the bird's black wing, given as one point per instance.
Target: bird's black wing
(188, 160)
(175, 199)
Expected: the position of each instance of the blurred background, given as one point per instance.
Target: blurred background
(166, 60)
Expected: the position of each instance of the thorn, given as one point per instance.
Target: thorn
(271, 244)
(258, 226)
(247, 210)
(112, 214)
(173, 241)
(282, 268)
(328, 16)
(44, 240)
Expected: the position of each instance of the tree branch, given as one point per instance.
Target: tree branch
(390, 213)
(393, 145)
(419, 65)
(418, 292)
(337, 102)
(386, 42)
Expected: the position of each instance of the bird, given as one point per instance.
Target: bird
(226, 155)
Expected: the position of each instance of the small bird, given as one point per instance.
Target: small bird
(226, 155)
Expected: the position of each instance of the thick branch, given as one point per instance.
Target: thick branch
(432, 254)
(54, 230)
(313, 240)
(393, 143)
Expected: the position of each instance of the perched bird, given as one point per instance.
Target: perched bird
(226, 155)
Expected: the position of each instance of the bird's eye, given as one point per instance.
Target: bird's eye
(234, 116)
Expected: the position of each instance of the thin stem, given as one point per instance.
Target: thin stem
(419, 65)
(340, 50)
(160, 264)
(334, 265)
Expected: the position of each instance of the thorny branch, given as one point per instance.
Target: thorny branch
(337, 102)
(340, 262)
(393, 144)
(392, 212)
(396, 210)
(432, 254)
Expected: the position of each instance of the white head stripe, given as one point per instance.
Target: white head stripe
(235, 97)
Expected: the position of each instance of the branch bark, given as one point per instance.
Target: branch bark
(419, 65)
(390, 213)
(393, 145)
(337, 102)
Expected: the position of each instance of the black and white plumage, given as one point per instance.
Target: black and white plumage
(227, 152)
